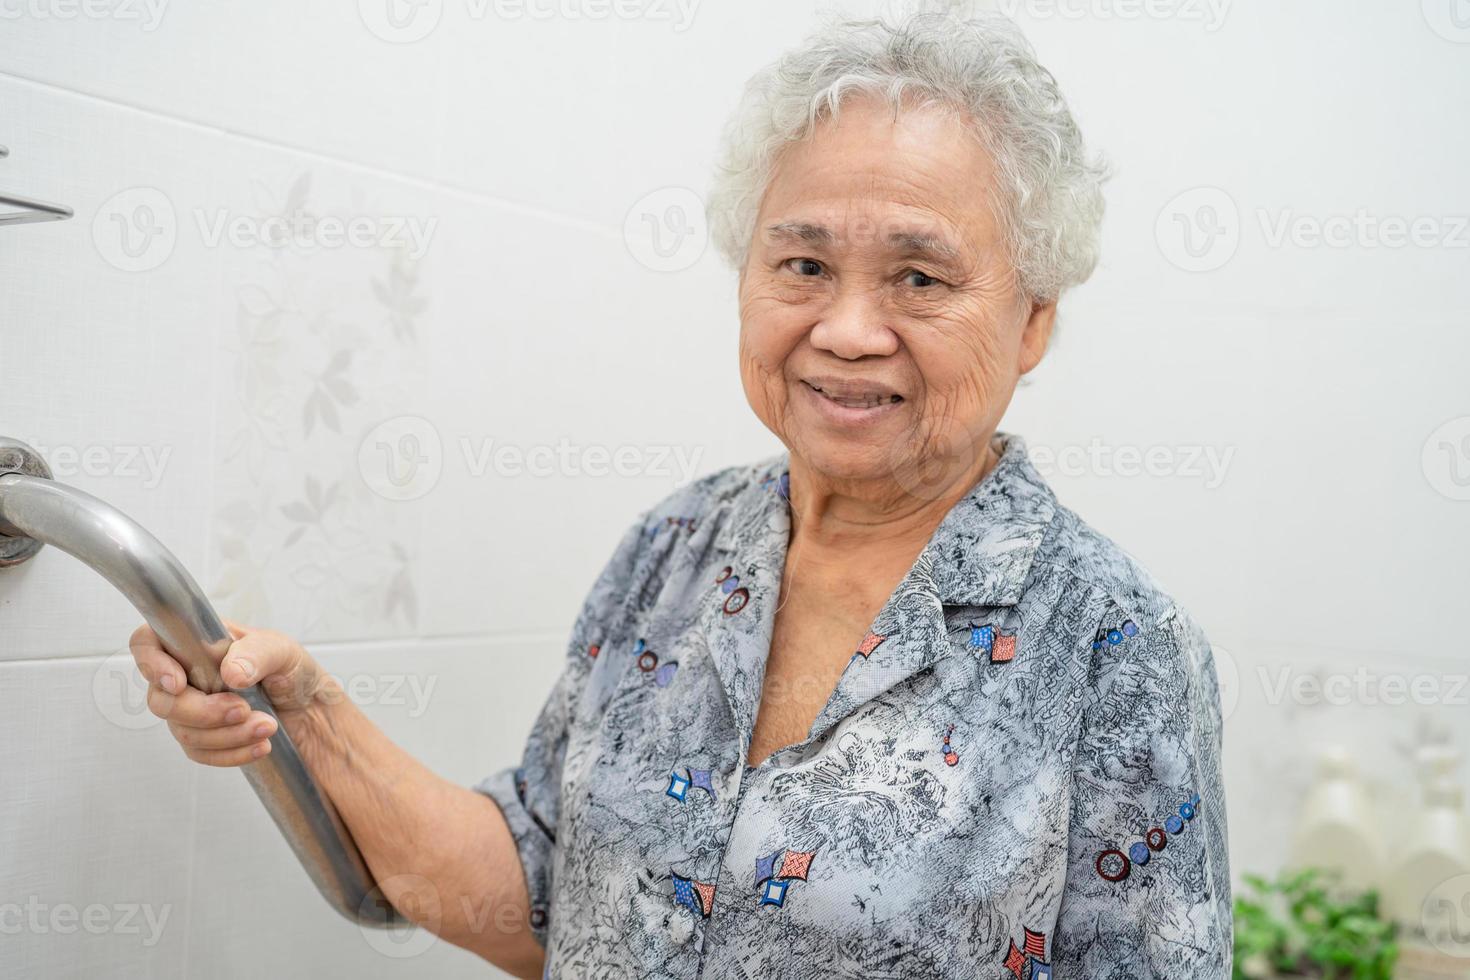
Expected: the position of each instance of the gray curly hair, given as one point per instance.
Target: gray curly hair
(1050, 203)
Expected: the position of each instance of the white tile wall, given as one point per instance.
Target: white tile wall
(239, 393)
(99, 826)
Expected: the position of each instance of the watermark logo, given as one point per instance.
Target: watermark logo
(416, 927)
(1199, 230)
(1227, 671)
(1445, 917)
(402, 458)
(135, 230)
(1446, 459)
(667, 231)
(949, 452)
(400, 21)
(420, 908)
(1450, 19)
(121, 694)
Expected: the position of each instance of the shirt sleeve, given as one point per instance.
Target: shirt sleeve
(1147, 892)
(529, 794)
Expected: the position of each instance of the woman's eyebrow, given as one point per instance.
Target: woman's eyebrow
(800, 231)
(903, 242)
(919, 243)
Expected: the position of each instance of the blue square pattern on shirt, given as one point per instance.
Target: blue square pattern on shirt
(775, 892)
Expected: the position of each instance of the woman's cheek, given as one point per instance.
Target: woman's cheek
(764, 387)
(959, 394)
(973, 363)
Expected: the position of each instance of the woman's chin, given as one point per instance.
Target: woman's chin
(847, 458)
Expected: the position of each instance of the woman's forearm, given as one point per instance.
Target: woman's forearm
(442, 853)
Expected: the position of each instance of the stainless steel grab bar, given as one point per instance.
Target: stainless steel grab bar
(35, 510)
(31, 210)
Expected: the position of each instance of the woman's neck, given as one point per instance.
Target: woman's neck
(877, 524)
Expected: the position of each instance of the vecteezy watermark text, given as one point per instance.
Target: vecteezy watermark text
(63, 918)
(148, 13)
(1201, 229)
(1363, 687)
(309, 232)
(1211, 13)
(143, 463)
(138, 228)
(408, 21)
(1206, 464)
(567, 459)
(404, 458)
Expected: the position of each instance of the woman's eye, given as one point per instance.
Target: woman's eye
(805, 267)
(919, 280)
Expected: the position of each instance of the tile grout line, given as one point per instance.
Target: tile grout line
(382, 173)
(192, 869)
(206, 571)
(337, 646)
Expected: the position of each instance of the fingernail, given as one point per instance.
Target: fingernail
(244, 669)
(263, 729)
(169, 683)
(235, 714)
(260, 749)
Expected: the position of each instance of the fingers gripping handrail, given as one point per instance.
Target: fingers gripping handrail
(34, 510)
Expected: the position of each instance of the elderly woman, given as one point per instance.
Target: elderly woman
(877, 706)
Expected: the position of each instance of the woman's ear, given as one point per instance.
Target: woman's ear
(1037, 335)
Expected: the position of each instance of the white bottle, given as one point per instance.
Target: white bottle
(1337, 831)
(1435, 840)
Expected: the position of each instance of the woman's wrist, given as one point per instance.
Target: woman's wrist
(320, 728)
(376, 787)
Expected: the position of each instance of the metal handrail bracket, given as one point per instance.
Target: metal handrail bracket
(30, 210)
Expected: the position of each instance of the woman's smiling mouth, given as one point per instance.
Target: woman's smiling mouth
(851, 402)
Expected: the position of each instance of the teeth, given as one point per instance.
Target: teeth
(869, 401)
(864, 401)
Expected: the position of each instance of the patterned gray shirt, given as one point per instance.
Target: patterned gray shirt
(1017, 774)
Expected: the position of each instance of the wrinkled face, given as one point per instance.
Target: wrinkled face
(882, 330)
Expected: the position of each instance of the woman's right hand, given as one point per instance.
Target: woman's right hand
(221, 729)
(426, 839)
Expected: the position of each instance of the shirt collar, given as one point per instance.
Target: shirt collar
(981, 552)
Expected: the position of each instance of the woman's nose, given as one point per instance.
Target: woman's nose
(855, 326)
